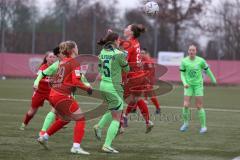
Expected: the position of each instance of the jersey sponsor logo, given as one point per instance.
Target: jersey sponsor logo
(192, 73)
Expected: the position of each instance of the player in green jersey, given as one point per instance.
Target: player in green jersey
(191, 70)
(112, 62)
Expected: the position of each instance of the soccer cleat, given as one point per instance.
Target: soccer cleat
(98, 132)
(149, 127)
(184, 127)
(125, 121)
(158, 111)
(22, 127)
(109, 149)
(41, 133)
(43, 141)
(79, 150)
(203, 130)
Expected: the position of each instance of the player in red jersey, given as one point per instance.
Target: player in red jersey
(148, 66)
(136, 74)
(64, 84)
(42, 93)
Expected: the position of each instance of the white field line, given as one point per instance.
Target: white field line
(92, 103)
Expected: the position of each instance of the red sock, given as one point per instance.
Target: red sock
(79, 130)
(155, 102)
(27, 119)
(57, 125)
(144, 110)
(130, 107)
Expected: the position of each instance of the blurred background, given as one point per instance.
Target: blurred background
(29, 28)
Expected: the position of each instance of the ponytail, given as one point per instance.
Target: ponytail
(110, 37)
(137, 29)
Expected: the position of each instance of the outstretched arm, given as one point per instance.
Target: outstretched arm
(51, 70)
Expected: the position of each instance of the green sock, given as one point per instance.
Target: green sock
(48, 120)
(111, 133)
(186, 115)
(107, 117)
(202, 117)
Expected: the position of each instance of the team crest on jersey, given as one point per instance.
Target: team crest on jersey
(34, 64)
(196, 66)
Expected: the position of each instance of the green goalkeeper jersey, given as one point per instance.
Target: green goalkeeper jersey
(111, 64)
(191, 71)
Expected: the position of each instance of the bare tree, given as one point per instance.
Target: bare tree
(224, 27)
(181, 14)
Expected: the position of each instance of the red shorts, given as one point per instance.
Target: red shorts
(38, 99)
(65, 105)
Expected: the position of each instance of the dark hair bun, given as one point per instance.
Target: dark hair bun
(56, 51)
(109, 38)
(101, 42)
(137, 29)
(141, 28)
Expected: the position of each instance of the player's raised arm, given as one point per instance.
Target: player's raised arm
(51, 70)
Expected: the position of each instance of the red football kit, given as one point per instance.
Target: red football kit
(64, 83)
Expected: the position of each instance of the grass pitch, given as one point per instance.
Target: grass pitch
(165, 142)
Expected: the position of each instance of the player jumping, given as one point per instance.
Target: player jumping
(132, 46)
(111, 64)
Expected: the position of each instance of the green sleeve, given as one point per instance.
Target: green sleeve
(123, 62)
(209, 72)
(38, 79)
(183, 78)
(182, 72)
(51, 70)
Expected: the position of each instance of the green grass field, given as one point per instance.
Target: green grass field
(165, 142)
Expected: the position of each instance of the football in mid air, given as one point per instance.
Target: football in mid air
(151, 8)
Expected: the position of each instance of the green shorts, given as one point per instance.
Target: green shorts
(113, 95)
(194, 90)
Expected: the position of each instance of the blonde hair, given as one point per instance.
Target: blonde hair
(66, 47)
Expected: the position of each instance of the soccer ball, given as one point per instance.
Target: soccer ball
(151, 8)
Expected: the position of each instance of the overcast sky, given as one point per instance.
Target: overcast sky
(124, 4)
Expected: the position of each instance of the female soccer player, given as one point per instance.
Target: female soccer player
(132, 33)
(191, 75)
(111, 64)
(42, 93)
(65, 82)
(50, 71)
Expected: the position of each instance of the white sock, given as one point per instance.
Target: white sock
(46, 136)
(76, 145)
